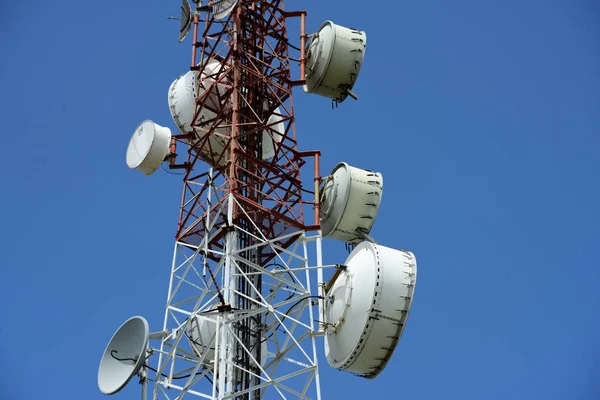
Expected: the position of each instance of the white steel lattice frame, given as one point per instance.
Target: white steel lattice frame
(291, 368)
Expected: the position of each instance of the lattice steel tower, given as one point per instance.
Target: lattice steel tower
(247, 296)
(240, 288)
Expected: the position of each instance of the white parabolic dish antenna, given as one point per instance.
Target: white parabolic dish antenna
(124, 355)
(148, 147)
(368, 307)
(349, 203)
(182, 98)
(335, 56)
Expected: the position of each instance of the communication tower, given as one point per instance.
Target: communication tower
(247, 297)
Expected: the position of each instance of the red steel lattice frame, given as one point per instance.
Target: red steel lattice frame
(254, 79)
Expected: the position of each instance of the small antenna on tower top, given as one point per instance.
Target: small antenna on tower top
(186, 20)
(222, 8)
(187, 17)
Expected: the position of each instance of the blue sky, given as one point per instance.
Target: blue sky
(484, 118)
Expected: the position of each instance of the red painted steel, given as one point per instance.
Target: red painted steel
(254, 80)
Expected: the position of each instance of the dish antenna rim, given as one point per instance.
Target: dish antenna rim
(222, 9)
(186, 20)
(131, 340)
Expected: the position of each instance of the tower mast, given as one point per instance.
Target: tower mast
(242, 221)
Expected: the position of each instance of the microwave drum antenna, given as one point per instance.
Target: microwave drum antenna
(182, 95)
(182, 99)
(368, 307)
(350, 200)
(201, 335)
(148, 147)
(182, 104)
(334, 58)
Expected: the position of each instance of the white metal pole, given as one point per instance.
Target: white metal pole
(217, 364)
(207, 222)
(321, 283)
(144, 376)
(225, 350)
(166, 319)
(310, 311)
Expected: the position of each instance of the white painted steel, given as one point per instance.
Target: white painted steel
(335, 56)
(288, 357)
(367, 308)
(350, 200)
(130, 341)
(148, 147)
